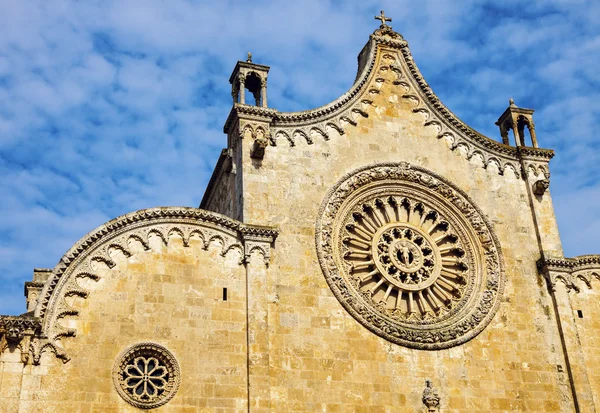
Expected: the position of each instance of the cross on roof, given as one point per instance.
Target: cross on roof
(383, 19)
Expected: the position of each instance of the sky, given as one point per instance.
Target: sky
(107, 106)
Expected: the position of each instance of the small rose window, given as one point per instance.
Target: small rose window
(146, 375)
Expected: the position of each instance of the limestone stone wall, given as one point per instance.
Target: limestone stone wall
(585, 311)
(322, 359)
(221, 196)
(169, 294)
(279, 340)
(583, 315)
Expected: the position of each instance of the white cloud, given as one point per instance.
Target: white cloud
(105, 104)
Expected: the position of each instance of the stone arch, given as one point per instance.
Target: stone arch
(90, 258)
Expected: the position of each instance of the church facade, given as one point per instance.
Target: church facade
(372, 255)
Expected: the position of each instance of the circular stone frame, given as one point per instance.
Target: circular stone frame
(483, 289)
(164, 358)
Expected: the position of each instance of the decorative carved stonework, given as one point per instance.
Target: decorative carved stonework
(261, 141)
(430, 398)
(257, 241)
(17, 332)
(46, 331)
(146, 375)
(15, 328)
(540, 186)
(404, 256)
(385, 62)
(409, 256)
(572, 272)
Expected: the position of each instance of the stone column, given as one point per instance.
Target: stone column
(531, 128)
(504, 134)
(242, 89)
(518, 141)
(263, 92)
(521, 129)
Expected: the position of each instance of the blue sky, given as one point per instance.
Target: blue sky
(111, 106)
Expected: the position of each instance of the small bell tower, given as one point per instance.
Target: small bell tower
(250, 76)
(250, 119)
(248, 129)
(516, 119)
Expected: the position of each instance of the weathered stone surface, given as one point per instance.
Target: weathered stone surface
(281, 338)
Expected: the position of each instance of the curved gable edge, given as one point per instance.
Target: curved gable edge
(386, 60)
(36, 332)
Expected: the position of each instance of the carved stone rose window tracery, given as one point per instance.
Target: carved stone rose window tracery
(409, 256)
(146, 375)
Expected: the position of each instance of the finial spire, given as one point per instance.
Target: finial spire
(383, 19)
(511, 102)
(249, 59)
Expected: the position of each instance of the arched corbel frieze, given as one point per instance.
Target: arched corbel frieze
(574, 273)
(103, 249)
(389, 63)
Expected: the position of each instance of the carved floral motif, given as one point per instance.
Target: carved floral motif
(146, 375)
(410, 256)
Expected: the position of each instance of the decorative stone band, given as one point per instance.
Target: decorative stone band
(535, 162)
(245, 111)
(572, 272)
(143, 216)
(387, 61)
(14, 328)
(409, 256)
(94, 250)
(17, 332)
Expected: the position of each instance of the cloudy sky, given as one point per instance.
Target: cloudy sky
(111, 106)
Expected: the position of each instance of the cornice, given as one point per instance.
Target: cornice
(22, 322)
(342, 110)
(240, 110)
(570, 271)
(434, 102)
(145, 215)
(571, 264)
(537, 154)
(339, 105)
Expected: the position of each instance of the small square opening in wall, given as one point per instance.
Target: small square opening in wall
(579, 313)
(225, 294)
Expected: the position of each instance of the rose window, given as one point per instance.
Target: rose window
(146, 375)
(406, 256)
(145, 379)
(409, 256)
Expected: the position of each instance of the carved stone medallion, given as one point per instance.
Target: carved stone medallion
(146, 375)
(409, 256)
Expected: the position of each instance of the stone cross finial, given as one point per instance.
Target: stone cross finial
(249, 59)
(383, 19)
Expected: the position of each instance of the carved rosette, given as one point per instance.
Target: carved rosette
(410, 256)
(146, 375)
